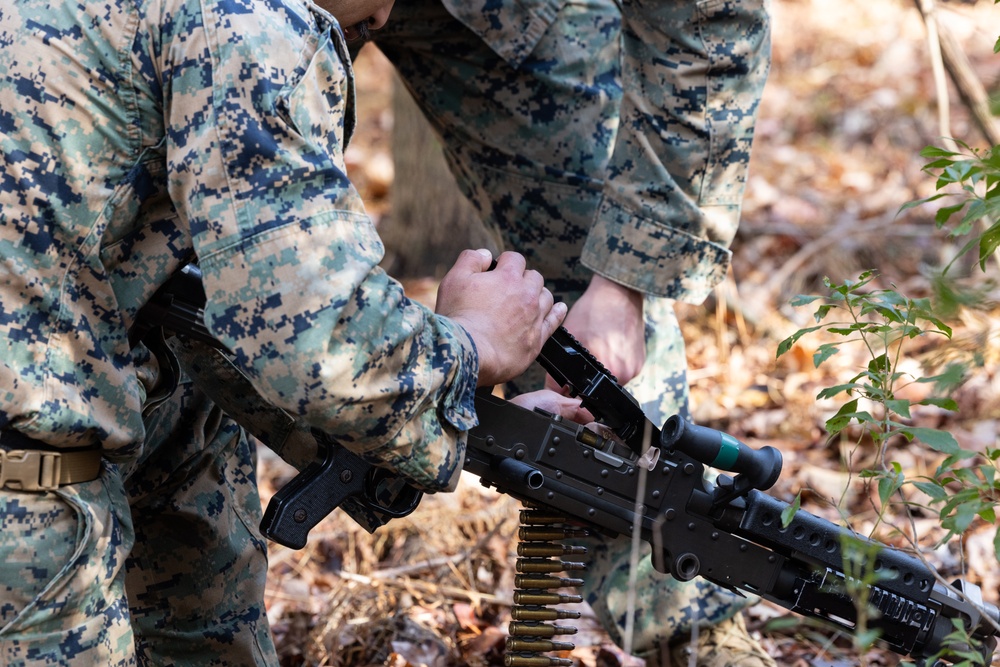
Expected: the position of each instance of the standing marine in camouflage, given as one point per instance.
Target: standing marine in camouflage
(178, 496)
(608, 142)
(136, 136)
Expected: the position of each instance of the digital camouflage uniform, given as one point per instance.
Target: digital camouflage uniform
(527, 97)
(193, 504)
(135, 136)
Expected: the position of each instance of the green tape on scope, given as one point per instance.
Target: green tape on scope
(728, 451)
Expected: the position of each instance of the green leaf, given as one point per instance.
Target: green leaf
(969, 218)
(878, 366)
(824, 352)
(920, 202)
(959, 498)
(848, 408)
(965, 514)
(823, 311)
(803, 299)
(939, 441)
(945, 212)
(899, 406)
(848, 413)
(830, 392)
(953, 376)
(935, 151)
(988, 244)
(923, 309)
(937, 492)
(787, 344)
(968, 476)
(847, 331)
(939, 164)
(944, 403)
(888, 485)
(788, 514)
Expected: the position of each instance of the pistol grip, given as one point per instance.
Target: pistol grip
(312, 494)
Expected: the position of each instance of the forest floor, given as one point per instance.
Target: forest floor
(849, 104)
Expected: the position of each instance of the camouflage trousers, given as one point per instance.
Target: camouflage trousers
(158, 562)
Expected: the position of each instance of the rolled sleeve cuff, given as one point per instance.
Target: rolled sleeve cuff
(426, 463)
(458, 406)
(654, 258)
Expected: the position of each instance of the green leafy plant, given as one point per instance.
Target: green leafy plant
(962, 652)
(881, 320)
(965, 486)
(973, 177)
(859, 576)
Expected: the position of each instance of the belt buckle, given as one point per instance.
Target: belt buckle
(30, 470)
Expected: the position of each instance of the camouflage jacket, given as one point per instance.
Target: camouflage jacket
(135, 136)
(692, 77)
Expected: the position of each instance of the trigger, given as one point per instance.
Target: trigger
(391, 495)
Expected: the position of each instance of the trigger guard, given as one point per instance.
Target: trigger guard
(402, 500)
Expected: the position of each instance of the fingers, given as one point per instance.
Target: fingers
(508, 312)
(608, 320)
(552, 313)
(470, 262)
(570, 408)
(545, 300)
(513, 262)
(474, 261)
(555, 317)
(480, 261)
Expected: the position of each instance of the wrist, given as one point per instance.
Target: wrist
(606, 288)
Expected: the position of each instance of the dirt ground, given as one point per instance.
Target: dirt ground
(850, 102)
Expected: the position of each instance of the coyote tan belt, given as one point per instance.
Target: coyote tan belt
(45, 470)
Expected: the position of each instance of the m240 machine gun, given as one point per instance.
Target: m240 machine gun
(646, 481)
(653, 481)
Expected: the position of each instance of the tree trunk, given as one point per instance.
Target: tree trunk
(430, 222)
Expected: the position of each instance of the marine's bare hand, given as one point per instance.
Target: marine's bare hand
(607, 320)
(567, 407)
(508, 311)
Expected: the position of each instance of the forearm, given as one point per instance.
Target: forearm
(329, 338)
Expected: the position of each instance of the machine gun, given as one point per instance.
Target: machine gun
(642, 480)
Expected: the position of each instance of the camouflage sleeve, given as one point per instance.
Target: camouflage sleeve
(261, 108)
(693, 73)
